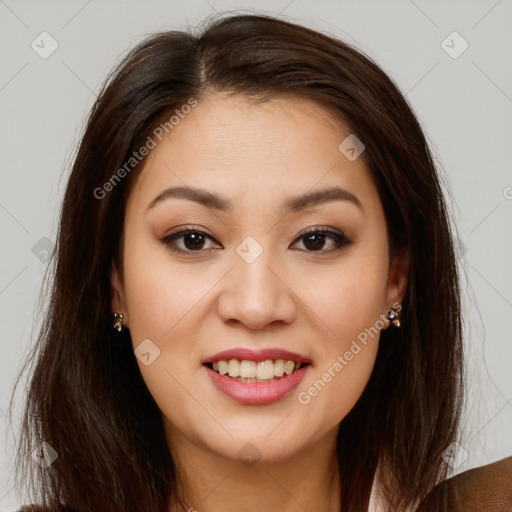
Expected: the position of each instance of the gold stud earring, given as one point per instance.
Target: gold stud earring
(393, 315)
(118, 321)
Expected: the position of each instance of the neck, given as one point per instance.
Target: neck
(209, 482)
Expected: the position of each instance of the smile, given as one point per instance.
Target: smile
(253, 390)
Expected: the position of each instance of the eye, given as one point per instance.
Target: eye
(314, 239)
(193, 240)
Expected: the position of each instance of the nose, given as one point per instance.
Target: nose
(257, 293)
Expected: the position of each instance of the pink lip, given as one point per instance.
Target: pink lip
(257, 392)
(259, 355)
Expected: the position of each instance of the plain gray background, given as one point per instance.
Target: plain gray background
(464, 103)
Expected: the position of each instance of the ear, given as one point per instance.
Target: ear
(117, 302)
(397, 280)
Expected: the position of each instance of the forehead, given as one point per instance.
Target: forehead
(248, 151)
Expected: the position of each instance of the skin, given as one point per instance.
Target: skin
(194, 304)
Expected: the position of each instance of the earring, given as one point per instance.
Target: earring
(118, 321)
(393, 315)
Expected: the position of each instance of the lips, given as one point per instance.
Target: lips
(253, 390)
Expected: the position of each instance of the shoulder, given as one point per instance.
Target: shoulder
(485, 488)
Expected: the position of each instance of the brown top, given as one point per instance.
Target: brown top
(483, 489)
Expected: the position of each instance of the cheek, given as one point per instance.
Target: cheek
(333, 394)
(162, 300)
(346, 357)
(349, 297)
(348, 302)
(160, 294)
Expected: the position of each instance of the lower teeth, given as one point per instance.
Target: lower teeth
(254, 379)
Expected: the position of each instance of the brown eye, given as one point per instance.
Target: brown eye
(315, 239)
(193, 240)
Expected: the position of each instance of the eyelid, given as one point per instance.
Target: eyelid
(322, 229)
(186, 228)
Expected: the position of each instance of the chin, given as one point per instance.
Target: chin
(261, 443)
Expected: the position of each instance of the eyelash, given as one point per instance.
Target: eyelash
(338, 237)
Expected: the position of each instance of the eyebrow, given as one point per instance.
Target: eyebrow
(294, 204)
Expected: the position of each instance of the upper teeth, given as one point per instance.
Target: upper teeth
(251, 369)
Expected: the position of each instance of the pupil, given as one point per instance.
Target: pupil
(318, 244)
(196, 238)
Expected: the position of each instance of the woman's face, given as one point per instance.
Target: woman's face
(251, 280)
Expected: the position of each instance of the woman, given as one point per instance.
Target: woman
(255, 300)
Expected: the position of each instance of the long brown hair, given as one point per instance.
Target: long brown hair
(86, 396)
